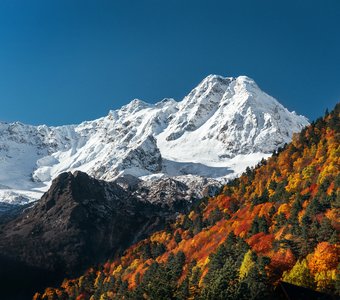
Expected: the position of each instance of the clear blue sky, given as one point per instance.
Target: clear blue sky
(64, 61)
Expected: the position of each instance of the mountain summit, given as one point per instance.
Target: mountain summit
(233, 114)
(222, 126)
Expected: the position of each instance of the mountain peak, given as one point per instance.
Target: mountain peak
(224, 87)
(244, 78)
(246, 81)
(213, 80)
(219, 79)
(135, 105)
(222, 126)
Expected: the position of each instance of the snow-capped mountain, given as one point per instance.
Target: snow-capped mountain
(222, 126)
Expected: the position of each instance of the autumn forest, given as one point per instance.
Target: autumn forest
(277, 222)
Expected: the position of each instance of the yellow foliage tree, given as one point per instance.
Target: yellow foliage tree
(325, 257)
(247, 264)
(299, 275)
(325, 280)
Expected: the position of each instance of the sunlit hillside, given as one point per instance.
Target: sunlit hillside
(278, 221)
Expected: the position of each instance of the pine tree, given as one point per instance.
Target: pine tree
(182, 292)
(177, 237)
(326, 230)
(215, 216)
(194, 289)
(337, 281)
(223, 283)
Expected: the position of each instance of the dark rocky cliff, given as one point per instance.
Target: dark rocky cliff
(79, 222)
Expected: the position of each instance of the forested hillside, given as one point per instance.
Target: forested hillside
(278, 221)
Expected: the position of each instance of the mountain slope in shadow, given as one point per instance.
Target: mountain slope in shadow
(79, 222)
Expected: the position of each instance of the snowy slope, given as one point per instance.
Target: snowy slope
(220, 128)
